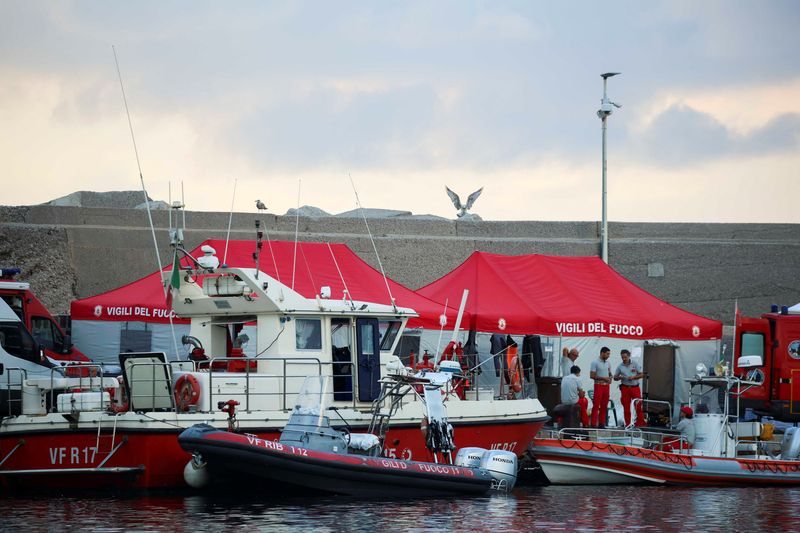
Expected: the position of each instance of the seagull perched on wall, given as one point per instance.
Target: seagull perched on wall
(462, 209)
(260, 206)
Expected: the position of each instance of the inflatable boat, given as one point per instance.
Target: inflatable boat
(725, 451)
(311, 454)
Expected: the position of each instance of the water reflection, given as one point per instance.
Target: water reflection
(527, 509)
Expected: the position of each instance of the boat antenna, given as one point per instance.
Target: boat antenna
(257, 253)
(183, 211)
(272, 253)
(296, 229)
(347, 294)
(308, 269)
(144, 189)
(364, 216)
(230, 219)
(169, 199)
(138, 163)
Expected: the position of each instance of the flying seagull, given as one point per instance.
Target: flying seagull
(260, 206)
(462, 209)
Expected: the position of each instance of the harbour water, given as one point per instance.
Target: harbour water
(608, 508)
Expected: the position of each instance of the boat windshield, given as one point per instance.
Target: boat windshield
(313, 398)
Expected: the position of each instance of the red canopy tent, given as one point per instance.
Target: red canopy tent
(316, 265)
(569, 296)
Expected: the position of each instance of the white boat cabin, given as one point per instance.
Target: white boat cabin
(295, 336)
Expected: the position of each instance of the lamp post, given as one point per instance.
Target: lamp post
(606, 108)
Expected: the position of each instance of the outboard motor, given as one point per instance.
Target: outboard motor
(502, 465)
(470, 457)
(790, 445)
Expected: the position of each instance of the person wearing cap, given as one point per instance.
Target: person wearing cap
(600, 372)
(686, 427)
(628, 373)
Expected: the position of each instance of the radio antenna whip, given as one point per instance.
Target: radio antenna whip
(296, 229)
(138, 163)
(347, 294)
(183, 211)
(230, 219)
(361, 210)
(144, 190)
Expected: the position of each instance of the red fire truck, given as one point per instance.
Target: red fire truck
(36, 318)
(768, 351)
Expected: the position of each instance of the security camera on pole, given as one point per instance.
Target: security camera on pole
(606, 108)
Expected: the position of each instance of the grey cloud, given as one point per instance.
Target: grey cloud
(683, 136)
(527, 73)
(326, 127)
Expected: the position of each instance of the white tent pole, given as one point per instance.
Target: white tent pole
(442, 324)
(460, 314)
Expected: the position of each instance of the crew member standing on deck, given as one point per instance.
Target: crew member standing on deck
(628, 373)
(600, 372)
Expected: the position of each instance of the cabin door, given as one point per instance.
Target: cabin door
(786, 366)
(659, 365)
(342, 360)
(368, 359)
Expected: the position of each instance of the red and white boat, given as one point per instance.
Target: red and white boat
(725, 451)
(96, 431)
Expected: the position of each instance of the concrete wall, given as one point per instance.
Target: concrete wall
(74, 252)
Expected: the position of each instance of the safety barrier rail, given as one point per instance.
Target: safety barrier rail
(655, 439)
(645, 402)
(9, 386)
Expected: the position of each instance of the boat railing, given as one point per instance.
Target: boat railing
(651, 438)
(147, 390)
(293, 371)
(10, 385)
(645, 403)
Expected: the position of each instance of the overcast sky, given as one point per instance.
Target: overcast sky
(408, 97)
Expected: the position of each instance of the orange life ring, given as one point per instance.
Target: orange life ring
(187, 392)
(121, 402)
(515, 382)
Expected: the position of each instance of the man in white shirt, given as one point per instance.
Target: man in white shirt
(628, 373)
(568, 409)
(600, 372)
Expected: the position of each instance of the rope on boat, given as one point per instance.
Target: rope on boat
(620, 451)
(773, 467)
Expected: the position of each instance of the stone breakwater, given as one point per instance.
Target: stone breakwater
(74, 252)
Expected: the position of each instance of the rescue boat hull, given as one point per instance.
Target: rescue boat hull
(571, 462)
(246, 457)
(146, 454)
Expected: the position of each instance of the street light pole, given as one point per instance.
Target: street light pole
(606, 108)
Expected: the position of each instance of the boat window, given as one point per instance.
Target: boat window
(753, 344)
(367, 347)
(46, 333)
(16, 340)
(388, 329)
(342, 359)
(308, 334)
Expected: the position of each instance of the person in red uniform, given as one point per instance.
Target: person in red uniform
(600, 372)
(628, 373)
(583, 405)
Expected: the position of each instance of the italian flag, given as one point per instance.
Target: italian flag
(174, 279)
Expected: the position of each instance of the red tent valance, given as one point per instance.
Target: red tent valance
(569, 296)
(316, 265)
